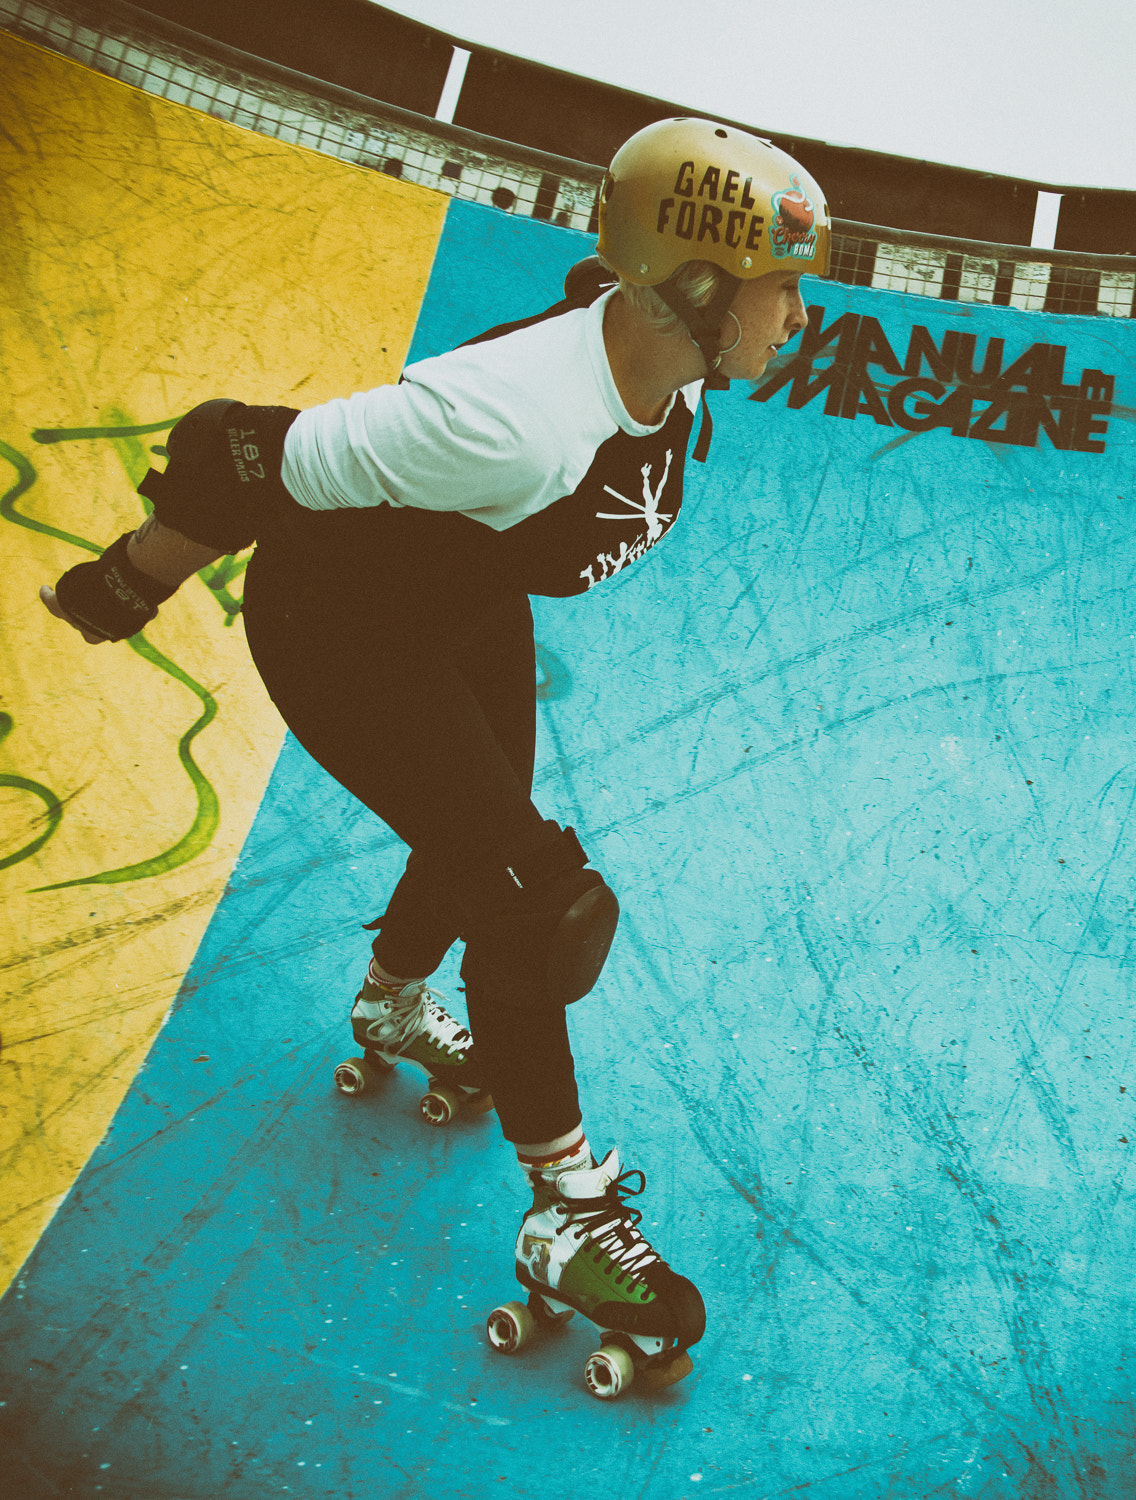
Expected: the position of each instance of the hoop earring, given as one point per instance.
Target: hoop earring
(731, 347)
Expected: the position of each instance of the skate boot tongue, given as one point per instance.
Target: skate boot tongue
(589, 1182)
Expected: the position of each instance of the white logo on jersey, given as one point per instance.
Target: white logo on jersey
(649, 509)
(611, 563)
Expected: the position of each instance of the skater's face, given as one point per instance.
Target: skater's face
(769, 311)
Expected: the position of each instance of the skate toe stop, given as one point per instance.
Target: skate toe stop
(658, 1377)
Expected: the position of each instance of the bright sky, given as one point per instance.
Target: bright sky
(1041, 89)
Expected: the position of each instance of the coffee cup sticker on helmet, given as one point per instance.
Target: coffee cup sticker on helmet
(792, 233)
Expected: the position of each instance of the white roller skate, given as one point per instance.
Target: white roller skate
(579, 1251)
(410, 1025)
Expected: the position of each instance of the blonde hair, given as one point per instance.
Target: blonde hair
(697, 279)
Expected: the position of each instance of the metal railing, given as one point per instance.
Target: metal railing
(163, 59)
(931, 265)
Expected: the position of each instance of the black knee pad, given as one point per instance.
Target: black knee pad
(581, 941)
(543, 922)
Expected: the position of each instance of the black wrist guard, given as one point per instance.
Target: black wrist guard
(111, 597)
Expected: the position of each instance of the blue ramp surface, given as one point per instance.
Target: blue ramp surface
(854, 747)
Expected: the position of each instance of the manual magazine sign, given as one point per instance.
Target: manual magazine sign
(973, 385)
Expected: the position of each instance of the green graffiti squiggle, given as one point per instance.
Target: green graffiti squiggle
(53, 807)
(26, 477)
(204, 826)
(70, 434)
(218, 576)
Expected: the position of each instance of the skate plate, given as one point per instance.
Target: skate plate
(621, 1359)
(441, 1103)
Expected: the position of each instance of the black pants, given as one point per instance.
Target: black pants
(400, 653)
(412, 680)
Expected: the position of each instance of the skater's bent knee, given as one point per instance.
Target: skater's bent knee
(545, 917)
(581, 942)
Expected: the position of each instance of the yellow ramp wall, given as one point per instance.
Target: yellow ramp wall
(153, 257)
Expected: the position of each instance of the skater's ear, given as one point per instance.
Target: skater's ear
(587, 280)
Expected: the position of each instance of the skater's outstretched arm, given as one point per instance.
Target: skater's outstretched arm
(118, 595)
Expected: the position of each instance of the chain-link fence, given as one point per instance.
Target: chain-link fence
(161, 59)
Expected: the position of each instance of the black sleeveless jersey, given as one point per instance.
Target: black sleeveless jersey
(626, 503)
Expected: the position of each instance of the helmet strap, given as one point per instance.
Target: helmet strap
(704, 323)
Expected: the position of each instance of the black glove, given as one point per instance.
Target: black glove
(111, 598)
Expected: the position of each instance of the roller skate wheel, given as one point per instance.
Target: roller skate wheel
(356, 1074)
(351, 1076)
(510, 1327)
(440, 1104)
(609, 1372)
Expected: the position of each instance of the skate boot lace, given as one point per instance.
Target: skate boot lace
(407, 1017)
(610, 1225)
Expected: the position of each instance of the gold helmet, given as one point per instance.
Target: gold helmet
(688, 189)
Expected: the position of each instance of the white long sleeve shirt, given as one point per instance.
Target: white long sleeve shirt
(497, 430)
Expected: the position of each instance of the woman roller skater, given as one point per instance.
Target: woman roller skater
(399, 534)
